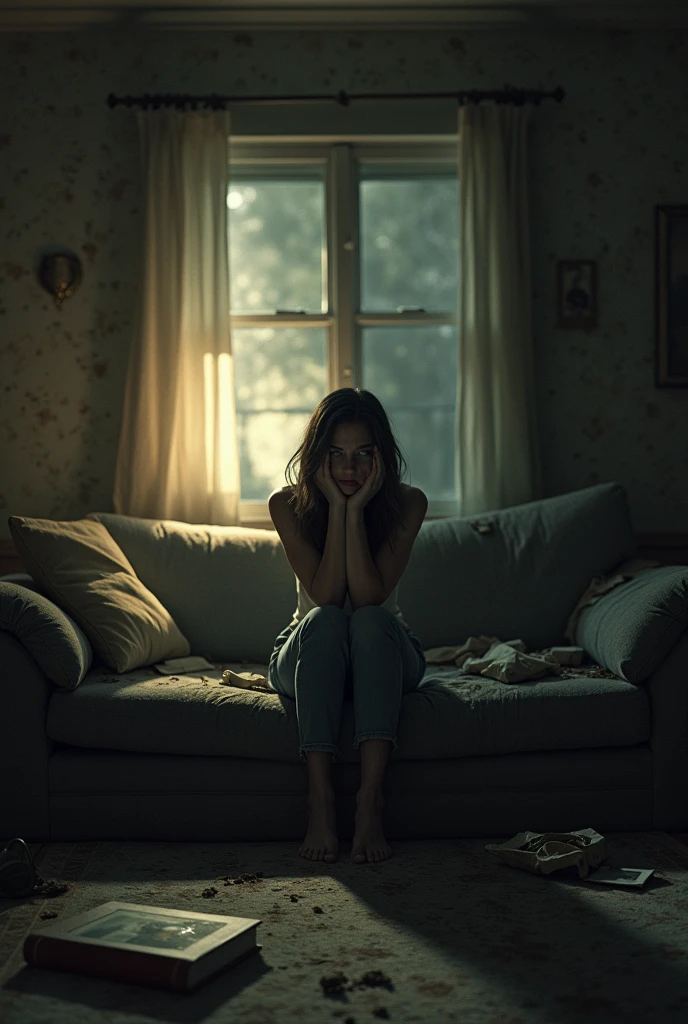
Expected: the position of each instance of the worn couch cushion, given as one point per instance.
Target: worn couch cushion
(80, 567)
(50, 636)
(521, 578)
(633, 628)
(448, 716)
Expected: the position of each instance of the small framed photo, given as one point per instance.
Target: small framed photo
(577, 294)
(671, 264)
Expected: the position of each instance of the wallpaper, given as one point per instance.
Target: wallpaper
(599, 163)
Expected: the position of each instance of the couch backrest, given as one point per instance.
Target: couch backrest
(231, 589)
(521, 578)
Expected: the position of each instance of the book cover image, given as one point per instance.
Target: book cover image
(143, 928)
(141, 944)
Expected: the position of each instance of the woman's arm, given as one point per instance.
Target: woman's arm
(363, 579)
(329, 582)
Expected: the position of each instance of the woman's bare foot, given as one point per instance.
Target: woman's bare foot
(369, 843)
(321, 841)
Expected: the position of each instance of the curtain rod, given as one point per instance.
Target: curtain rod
(216, 102)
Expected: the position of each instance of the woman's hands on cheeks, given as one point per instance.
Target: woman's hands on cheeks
(360, 498)
(329, 487)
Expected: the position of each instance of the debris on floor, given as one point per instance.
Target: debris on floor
(246, 876)
(336, 984)
(50, 888)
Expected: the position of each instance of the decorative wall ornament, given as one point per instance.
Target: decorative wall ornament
(577, 294)
(60, 274)
(671, 296)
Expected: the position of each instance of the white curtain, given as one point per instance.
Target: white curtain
(178, 453)
(497, 450)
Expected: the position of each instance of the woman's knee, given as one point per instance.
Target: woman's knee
(326, 617)
(371, 618)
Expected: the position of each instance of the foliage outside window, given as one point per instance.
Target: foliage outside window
(343, 272)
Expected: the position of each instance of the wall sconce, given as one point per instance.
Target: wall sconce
(60, 274)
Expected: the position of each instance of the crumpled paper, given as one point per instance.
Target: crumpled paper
(504, 660)
(541, 853)
(245, 680)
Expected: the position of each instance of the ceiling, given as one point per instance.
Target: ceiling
(68, 15)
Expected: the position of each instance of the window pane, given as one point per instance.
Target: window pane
(413, 372)
(280, 375)
(409, 244)
(277, 247)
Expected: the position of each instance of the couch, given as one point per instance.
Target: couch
(138, 755)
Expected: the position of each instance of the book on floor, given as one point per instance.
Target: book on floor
(143, 945)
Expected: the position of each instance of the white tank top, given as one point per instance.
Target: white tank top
(304, 605)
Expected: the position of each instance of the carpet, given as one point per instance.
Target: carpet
(453, 933)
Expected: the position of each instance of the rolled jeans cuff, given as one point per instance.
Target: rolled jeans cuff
(375, 736)
(326, 747)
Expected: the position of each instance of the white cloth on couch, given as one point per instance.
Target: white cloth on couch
(504, 660)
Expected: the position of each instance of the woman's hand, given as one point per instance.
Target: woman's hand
(360, 498)
(329, 487)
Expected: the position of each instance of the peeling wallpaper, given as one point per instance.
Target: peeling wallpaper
(599, 162)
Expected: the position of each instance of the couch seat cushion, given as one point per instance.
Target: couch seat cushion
(450, 715)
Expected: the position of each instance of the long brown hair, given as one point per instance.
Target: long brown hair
(384, 512)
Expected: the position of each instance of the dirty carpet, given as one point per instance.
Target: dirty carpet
(442, 931)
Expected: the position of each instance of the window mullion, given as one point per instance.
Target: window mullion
(343, 263)
(355, 265)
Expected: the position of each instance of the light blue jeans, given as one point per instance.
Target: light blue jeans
(329, 656)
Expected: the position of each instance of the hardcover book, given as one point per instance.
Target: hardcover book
(143, 945)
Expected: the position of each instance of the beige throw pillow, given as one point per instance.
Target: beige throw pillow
(83, 570)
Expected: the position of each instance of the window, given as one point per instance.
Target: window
(343, 272)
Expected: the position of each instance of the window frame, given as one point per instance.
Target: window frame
(342, 159)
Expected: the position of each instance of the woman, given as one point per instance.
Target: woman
(347, 525)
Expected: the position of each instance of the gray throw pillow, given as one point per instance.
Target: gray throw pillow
(633, 628)
(50, 636)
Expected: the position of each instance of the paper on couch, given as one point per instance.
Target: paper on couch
(245, 680)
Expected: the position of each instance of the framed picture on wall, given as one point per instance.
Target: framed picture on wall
(576, 294)
(671, 266)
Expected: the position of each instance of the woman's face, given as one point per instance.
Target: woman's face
(351, 455)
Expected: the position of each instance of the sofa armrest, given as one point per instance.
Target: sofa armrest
(49, 635)
(634, 628)
(24, 744)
